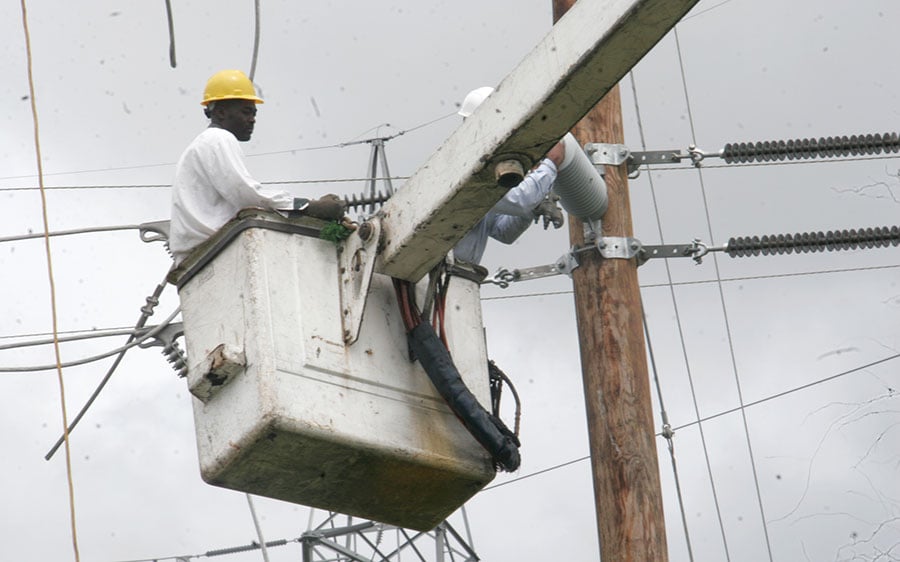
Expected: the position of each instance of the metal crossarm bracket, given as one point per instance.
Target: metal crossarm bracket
(616, 247)
(607, 154)
(616, 154)
(610, 247)
(695, 250)
(563, 266)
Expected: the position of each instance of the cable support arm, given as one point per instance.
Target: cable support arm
(746, 152)
(612, 247)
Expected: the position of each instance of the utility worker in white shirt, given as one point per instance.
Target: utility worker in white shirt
(510, 217)
(211, 180)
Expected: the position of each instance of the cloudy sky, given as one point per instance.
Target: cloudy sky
(806, 470)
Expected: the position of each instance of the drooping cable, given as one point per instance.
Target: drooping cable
(255, 39)
(85, 360)
(59, 374)
(271, 153)
(728, 332)
(792, 390)
(79, 335)
(146, 312)
(665, 422)
(806, 386)
(171, 24)
(69, 232)
(667, 433)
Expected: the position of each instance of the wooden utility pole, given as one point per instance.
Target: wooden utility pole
(625, 468)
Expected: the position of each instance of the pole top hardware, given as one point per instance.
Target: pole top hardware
(617, 154)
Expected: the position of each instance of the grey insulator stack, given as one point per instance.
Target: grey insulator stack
(581, 189)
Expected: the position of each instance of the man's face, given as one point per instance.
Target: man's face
(236, 116)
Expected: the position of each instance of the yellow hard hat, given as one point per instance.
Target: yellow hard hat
(229, 85)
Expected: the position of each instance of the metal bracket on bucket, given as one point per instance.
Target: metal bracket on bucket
(357, 263)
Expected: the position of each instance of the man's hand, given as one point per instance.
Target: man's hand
(557, 154)
(327, 207)
(549, 212)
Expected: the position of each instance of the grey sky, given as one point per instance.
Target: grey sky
(824, 458)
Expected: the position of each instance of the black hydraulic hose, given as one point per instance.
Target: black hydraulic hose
(486, 428)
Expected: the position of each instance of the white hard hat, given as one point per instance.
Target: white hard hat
(473, 100)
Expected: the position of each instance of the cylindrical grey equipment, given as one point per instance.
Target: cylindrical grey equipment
(581, 189)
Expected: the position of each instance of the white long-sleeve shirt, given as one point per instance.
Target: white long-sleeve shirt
(211, 185)
(510, 217)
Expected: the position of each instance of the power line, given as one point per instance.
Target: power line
(272, 153)
(728, 331)
(708, 281)
(88, 230)
(791, 391)
(665, 420)
(712, 417)
(137, 341)
(124, 330)
(168, 185)
(787, 163)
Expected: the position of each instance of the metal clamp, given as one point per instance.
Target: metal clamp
(658, 157)
(616, 247)
(696, 250)
(613, 247)
(607, 154)
(563, 266)
(356, 263)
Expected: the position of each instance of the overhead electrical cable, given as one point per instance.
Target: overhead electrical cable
(780, 163)
(83, 361)
(724, 307)
(272, 153)
(87, 230)
(80, 337)
(99, 332)
(790, 391)
(171, 25)
(255, 54)
(146, 312)
(706, 281)
(668, 434)
(713, 416)
(44, 214)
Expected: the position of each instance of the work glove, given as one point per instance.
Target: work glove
(549, 212)
(328, 207)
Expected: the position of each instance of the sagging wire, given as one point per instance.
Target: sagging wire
(255, 40)
(80, 335)
(497, 377)
(271, 153)
(133, 339)
(728, 331)
(146, 312)
(62, 386)
(667, 432)
(684, 354)
(171, 22)
(69, 232)
(157, 330)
